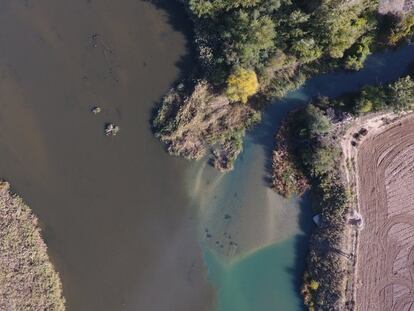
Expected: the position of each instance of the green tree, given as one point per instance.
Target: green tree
(306, 50)
(401, 28)
(209, 7)
(358, 54)
(323, 160)
(340, 26)
(371, 98)
(317, 122)
(401, 94)
(247, 37)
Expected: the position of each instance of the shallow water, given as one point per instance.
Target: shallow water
(116, 218)
(256, 282)
(263, 270)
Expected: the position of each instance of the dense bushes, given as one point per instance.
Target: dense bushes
(401, 27)
(318, 155)
(247, 38)
(344, 24)
(358, 54)
(401, 94)
(371, 98)
(397, 96)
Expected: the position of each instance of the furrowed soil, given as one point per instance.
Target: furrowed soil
(385, 268)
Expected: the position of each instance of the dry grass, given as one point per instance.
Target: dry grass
(287, 178)
(202, 123)
(28, 280)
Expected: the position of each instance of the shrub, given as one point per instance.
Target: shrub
(401, 94)
(322, 160)
(241, 85)
(359, 53)
(371, 98)
(247, 38)
(210, 7)
(340, 28)
(401, 29)
(314, 285)
(306, 50)
(316, 121)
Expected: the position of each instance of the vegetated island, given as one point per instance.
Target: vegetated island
(317, 147)
(28, 280)
(251, 52)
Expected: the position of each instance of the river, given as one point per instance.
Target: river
(128, 226)
(115, 214)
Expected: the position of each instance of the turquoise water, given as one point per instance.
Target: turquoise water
(264, 271)
(256, 282)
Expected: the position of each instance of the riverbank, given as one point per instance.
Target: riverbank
(28, 280)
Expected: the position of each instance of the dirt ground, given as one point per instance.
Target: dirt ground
(396, 6)
(385, 265)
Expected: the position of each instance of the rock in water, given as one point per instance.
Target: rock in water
(96, 110)
(111, 129)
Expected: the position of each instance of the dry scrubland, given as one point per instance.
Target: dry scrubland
(194, 126)
(385, 269)
(28, 280)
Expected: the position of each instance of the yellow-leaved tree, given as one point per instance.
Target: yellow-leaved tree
(241, 85)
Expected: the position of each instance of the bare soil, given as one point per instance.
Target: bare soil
(396, 6)
(385, 265)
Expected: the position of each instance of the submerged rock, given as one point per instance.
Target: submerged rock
(96, 110)
(111, 129)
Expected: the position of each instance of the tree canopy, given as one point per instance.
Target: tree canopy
(241, 85)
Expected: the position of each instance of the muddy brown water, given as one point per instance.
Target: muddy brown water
(115, 214)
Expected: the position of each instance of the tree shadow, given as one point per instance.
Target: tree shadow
(179, 20)
(264, 133)
(302, 240)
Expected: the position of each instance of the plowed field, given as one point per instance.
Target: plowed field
(385, 269)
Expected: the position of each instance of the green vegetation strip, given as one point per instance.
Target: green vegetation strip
(28, 280)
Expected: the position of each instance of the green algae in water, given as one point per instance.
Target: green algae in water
(261, 281)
